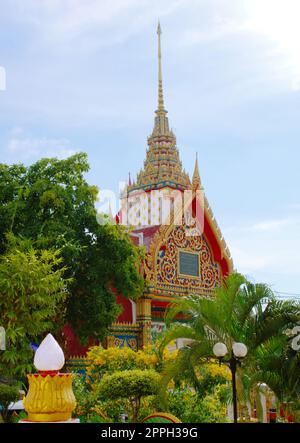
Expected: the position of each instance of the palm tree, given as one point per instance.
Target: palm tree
(239, 311)
(278, 366)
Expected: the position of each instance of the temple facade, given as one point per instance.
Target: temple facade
(185, 250)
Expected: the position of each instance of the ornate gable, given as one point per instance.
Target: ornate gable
(172, 254)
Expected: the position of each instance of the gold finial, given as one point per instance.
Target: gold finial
(161, 122)
(160, 87)
(196, 182)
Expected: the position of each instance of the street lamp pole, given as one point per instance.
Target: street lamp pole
(232, 366)
(239, 351)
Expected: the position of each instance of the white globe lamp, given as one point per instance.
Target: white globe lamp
(220, 350)
(240, 350)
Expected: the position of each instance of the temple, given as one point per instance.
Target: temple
(185, 250)
(171, 218)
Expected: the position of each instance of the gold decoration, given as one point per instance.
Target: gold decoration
(159, 417)
(163, 171)
(162, 166)
(49, 398)
(196, 181)
(162, 272)
(217, 231)
(144, 319)
(163, 233)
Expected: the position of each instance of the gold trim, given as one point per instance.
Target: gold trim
(49, 398)
(165, 230)
(225, 253)
(51, 417)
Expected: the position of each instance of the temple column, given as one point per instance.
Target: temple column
(143, 317)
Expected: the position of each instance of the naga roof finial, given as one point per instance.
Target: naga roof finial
(196, 181)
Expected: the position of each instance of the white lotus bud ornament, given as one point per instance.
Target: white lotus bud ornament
(49, 356)
(50, 397)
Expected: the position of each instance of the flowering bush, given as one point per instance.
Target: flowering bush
(102, 361)
(118, 383)
(189, 407)
(210, 375)
(107, 362)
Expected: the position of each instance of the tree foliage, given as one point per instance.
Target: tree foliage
(239, 311)
(8, 395)
(102, 361)
(51, 203)
(190, 407)
(32, 295)
(132, 384)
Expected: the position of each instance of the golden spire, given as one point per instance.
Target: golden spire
(160, 86)
(196, 182)
(161, 124)
(162, 167)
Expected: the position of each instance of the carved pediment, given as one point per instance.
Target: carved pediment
(166, 262)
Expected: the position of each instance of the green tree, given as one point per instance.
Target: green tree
(132, 384)
(239, 311)
(32, 295)
(278, 366)
(8, 395)
(51, 203)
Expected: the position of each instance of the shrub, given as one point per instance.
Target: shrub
(83, 394)
(102, 361)
(8, 394)
(189, 407)
(131, 384)
(211, 375)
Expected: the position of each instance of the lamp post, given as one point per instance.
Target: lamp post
(239, 351)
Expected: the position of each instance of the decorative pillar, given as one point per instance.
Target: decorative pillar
(143, 316)
(50, 397)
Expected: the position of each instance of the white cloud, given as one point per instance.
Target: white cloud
(278, 21)
(249, 261)
(23, 147)
(90, 24)
(216, 29)
(270, 225)
(294, 206)
(267, 250)
(2, 79)
(274, 23)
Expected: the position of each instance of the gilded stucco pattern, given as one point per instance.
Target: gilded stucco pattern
(165, 266)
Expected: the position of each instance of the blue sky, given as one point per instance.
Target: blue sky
(82, 75)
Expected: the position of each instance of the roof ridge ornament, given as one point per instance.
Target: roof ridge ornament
(196, 181)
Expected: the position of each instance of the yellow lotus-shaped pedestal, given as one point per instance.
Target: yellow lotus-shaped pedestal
(49, 398)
